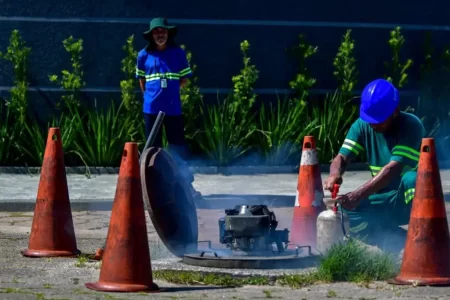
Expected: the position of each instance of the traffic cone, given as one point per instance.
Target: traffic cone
(52, 230)
(309, 200)
(126, 265)
(426, 258)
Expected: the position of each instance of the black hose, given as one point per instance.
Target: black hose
(342, 222)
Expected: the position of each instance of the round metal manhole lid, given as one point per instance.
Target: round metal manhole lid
(169, 202)
(213, 259)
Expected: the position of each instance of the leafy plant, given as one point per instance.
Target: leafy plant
(282, 130)
(303, 80)
(345, 65)
(434, 92)
(335, 118)
(35, 138)
(228, 127)
(71, 81)
(191, 100)
(17, 54)
(128, 85)
(398, 71)
(243, 93)
(225, 138)
(9, 136)
(101, 135)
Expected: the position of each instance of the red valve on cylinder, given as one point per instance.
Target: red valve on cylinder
(334, 194)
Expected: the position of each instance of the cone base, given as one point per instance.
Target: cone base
(122, 287)
(436, 281)
(50, 253)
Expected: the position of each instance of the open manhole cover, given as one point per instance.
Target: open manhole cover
(169, 202)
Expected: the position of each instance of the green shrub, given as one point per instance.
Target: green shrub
(398, 71)
(226, 131)
(282, 129)
(303, 80)
(191, 100)
(335, 118)
(9, 137)
(71, 81)
(101, 135)
(345, 65)
(228, 127)
(17, 54)
(129, 84)
(225, 137)
(128, 87)
(13, 112)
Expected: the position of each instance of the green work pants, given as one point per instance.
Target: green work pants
(377, 219)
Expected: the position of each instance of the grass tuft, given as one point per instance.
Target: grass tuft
(352, 261)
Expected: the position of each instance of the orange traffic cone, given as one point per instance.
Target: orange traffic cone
(309, 200)
(52, 230)
(126, 263)
(426, 258)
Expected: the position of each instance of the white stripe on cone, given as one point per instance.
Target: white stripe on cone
(318, 199)
(309, 158)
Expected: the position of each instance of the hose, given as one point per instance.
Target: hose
(334, 194)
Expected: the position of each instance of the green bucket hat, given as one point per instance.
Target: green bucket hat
(160, 23)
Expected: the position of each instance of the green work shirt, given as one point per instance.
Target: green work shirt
(402, 144)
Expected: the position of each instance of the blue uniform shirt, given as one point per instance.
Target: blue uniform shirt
(162, 71)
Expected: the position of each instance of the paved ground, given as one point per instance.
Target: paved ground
(18, 192)
(22, 278)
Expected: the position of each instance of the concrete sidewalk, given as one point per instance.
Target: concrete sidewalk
(18, 192)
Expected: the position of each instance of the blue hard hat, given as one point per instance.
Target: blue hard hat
(379, 100)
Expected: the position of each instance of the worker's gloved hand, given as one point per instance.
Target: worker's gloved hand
(348, 201)
(329, 183)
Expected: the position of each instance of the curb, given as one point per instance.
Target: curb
(207, 170)
(220, 203)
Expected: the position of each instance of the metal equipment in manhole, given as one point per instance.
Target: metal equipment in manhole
(248, 233)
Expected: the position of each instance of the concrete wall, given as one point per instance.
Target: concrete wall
(212, 30)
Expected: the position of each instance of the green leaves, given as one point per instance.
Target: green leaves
(345, 65)
(398, 74)
(101, 135)
(281, 130)
(71, 81)
(303, 80)
(335, 116)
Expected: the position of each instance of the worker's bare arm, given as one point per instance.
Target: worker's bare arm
(389, 172)
(142, 84)
(339, 164)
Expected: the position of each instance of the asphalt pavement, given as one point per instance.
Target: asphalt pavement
(91, 198)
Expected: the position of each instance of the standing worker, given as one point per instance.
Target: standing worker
(162, 69)
(391, 140)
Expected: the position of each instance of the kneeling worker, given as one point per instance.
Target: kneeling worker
(391, 140)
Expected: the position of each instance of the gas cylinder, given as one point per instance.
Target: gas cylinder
(329, 228)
